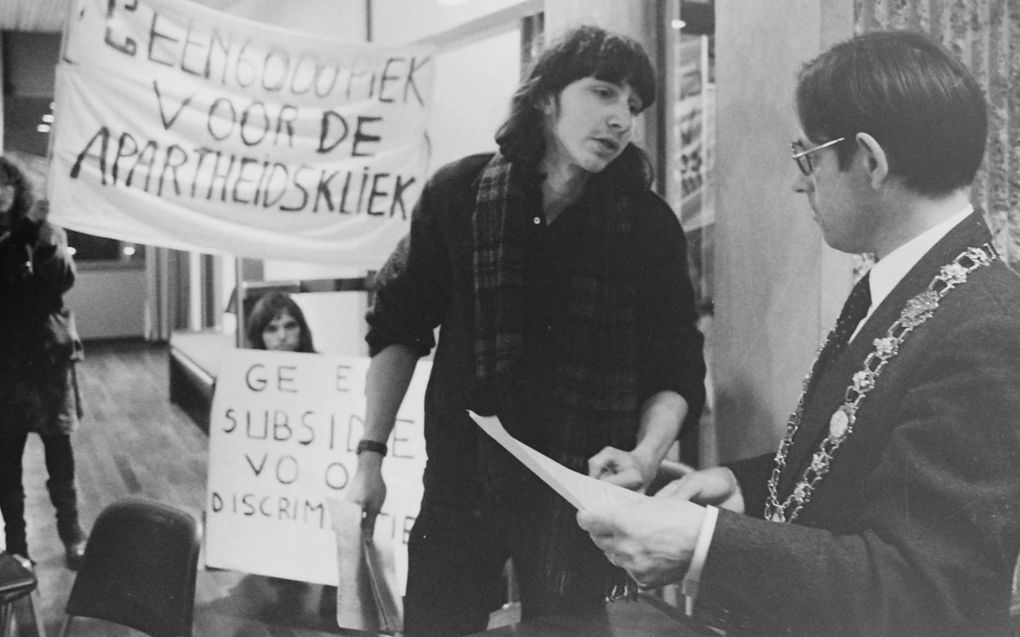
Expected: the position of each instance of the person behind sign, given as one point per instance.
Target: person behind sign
(893, 504)
(38, 351)
(277, 323)
(560, 284)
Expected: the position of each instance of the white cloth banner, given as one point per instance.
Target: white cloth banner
(185, 127)
(282, 437)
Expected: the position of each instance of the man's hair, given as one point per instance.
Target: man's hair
(12, 175)
(271, 305)
(585, 51)
(918, 101)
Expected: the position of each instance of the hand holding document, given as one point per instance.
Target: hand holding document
(580, 490)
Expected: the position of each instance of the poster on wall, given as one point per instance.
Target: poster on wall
(282, 437)
(692, 128)
(185, 127)
(691, 155)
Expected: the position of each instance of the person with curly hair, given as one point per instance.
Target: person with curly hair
(559, 284)
(39, 349)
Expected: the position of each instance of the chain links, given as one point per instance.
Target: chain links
(914, 314)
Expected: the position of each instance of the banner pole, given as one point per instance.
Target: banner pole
(239, 294)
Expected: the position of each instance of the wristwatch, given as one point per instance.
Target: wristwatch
(371, 445)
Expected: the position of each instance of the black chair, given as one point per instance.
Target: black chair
(139, 569)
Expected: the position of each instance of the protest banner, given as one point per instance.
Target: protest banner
(282, 437)
(181, 126)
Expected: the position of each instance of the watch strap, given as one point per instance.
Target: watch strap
(372, 445)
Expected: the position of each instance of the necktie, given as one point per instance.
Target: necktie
(854, 309)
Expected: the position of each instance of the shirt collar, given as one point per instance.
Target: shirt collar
(888, 272)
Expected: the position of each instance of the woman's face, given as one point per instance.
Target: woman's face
(282, 334)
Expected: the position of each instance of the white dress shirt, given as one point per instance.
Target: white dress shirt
(887, 273)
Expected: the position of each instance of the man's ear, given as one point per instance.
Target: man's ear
(873, 158)
(547, 104)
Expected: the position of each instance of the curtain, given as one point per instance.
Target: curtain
(985, 34)
(167, 291)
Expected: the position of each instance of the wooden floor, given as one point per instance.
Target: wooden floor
(133, 442)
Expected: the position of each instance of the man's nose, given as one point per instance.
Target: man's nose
(620, 118)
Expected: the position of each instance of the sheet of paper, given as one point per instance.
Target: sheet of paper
(580, 490)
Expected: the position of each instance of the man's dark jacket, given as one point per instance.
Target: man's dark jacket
(915, 530)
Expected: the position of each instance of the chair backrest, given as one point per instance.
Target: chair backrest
(139, 569)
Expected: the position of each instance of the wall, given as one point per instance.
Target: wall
(402, 21)
(778, 287)
(983, 36)
(343, 19)
(336, 321)
(108, 302)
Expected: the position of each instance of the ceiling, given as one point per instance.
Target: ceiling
(49, 15)
(33, 15)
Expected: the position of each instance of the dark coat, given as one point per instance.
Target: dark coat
(38, 344)
(916, 529)
(430, 281)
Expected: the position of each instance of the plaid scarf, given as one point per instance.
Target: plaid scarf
(598, 372)
(594, 384)
(499, 283)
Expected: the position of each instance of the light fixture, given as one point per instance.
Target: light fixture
(677, 24)
(71, 250)
(128, 251)
(43, 128)
(47, 118)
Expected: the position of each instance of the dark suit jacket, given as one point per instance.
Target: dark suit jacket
(916, 529)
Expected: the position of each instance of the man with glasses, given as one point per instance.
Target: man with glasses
(802, 156)
(892, 506)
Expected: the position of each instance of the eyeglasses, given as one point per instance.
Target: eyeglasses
(802, 156)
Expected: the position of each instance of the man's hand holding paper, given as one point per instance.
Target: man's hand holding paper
(652, 538)
(622, 468)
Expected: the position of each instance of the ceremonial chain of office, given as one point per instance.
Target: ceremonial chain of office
(914, 314)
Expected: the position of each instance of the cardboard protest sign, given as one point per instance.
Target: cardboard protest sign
(181, 126)
(282, 435)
